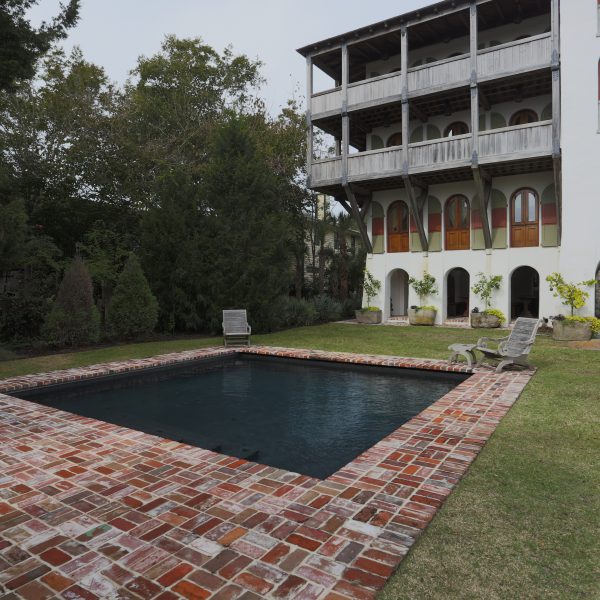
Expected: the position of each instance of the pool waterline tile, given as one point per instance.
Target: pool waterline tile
(126, 502)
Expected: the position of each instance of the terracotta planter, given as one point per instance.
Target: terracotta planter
(370, 317)
(571, 331)
(483, 321)
(424, 316)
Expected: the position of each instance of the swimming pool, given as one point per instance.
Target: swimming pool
(309, 417)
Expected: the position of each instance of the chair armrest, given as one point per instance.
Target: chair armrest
(483, 342)
(249, 329)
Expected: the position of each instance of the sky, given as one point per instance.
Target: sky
(114, 33)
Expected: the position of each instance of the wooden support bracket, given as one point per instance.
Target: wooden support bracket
(483, 184)
(355, 211)
(416, 203)
(557, 164)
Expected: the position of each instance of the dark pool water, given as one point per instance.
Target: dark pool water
(307, 417)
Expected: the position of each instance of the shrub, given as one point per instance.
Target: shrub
(73, 320)
(424, 287)
(133, 310)
(296, 312)
(594, 321)
(570, 294)
(495, 312)
(327, 309)
(371, 287)
(485, 286)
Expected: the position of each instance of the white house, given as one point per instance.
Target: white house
(467, 140)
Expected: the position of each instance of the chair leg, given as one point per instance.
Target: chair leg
(503, 363)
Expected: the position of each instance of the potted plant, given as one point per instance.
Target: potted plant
(484, 287)
(570, 328)
(369, 314)
(423, 315)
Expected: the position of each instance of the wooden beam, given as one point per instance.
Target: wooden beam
(357, 217)
(345, 117)
(557, 168)
(344, 204)
(555, 65)
(364, 209)
(413, 203)
(483, 184)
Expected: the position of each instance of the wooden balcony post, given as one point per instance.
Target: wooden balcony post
(405, 107)
(556, 113)
(474, 83)
(309, 126)
(345, 118)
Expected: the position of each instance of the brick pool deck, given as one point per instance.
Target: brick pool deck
(93, 510)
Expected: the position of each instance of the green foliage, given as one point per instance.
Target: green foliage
(13, 233)
(371, 286)
(294, 312)
(427, 307)
(73, 320)
(485, 286)
(570, 294)
(327, 309)
(495, 312)
(424, 287)
(22, 44)
(593, 321)
(133, 310)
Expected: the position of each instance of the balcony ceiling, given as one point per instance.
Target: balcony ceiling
(496, 169)
(382, 40)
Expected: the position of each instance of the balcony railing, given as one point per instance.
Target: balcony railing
(509, 143)
(521, 56)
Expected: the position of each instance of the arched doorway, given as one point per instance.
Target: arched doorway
(524, 293)
(457, 293)
(398, 293)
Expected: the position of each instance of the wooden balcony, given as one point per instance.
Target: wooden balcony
(499, 145)
(522, 56)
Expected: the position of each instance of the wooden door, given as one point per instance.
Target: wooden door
(458, 232)
(398, 236)
(525, 226)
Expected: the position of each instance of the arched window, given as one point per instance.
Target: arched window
(395, 140)
(525, 219)
(457, 128)
(523, 117)
(397, 227)
(458, 223)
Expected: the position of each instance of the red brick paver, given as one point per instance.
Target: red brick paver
(93, 510)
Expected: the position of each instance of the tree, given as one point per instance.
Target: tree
(22, 44)
(424, 287)
(570, 294)
(248, 221)
(485, 286)
(73, 320)
(371, 287)
(133, 309)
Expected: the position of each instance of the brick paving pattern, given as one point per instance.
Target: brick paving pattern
(93, 510)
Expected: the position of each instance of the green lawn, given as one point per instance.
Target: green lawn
(525, 521)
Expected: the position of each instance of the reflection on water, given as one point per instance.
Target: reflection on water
(305, 417)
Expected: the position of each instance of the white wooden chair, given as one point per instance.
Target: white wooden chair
(236, 331)
(513, 349)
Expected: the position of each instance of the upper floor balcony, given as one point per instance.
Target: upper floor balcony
(498, 62)
(496, 146)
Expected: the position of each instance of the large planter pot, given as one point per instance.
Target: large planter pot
(370, 317)
(571, 331)
(421, 316)
(483, 321)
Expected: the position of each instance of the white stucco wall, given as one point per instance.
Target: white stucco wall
(580, 52)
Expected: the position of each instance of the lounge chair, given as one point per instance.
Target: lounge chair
(236, 331)
(513, 349)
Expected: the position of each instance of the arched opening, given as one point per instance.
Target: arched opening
(458, 223)
(523, 117)
(456, 128)
(398, 293)
(525, 219)
(525, 293)
(457, 293)
(397, 227)
(394, 140)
